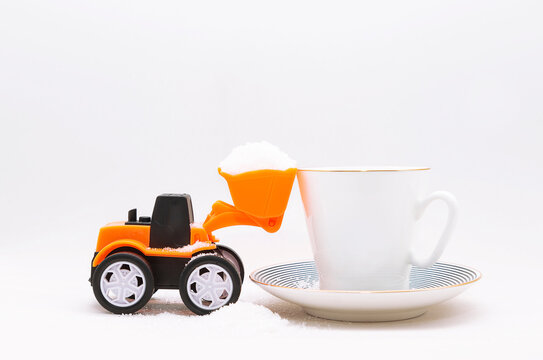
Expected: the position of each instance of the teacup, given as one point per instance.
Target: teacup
(361, 224)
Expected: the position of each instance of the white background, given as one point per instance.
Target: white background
(105, 104)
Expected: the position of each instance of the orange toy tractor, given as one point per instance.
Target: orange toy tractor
(135, 258)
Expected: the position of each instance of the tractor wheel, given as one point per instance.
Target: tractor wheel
(209, 282)
(123, 283)
(234, 258)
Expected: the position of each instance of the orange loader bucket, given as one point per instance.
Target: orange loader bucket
(261, 193)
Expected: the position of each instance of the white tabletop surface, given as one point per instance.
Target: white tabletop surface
(49, 306)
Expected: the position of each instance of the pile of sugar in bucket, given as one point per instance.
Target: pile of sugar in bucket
(256, 156)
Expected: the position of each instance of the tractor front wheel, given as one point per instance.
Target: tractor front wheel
(208, 283)
(123, 283)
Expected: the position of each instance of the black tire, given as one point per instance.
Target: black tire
(234, 258)
(228, 271)
(145, 276)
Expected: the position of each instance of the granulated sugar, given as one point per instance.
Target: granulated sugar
(246, 315)
(307, 284)
(256, 156)
(240, 318)
(188, 248)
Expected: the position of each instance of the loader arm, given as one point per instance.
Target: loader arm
(223, 215)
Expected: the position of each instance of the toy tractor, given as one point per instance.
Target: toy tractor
(134, 259)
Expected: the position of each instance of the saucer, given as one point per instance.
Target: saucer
(297, 282)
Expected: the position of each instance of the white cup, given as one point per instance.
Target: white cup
(361, 224)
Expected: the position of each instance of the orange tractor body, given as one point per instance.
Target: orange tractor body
(166, 242)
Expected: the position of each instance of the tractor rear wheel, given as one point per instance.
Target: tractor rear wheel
(208, 283)
(123, 283)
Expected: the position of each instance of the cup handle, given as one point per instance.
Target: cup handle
(452, 218)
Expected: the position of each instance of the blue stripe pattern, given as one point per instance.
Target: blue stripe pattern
(304, 275)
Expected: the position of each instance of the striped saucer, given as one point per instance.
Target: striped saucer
(298, 282)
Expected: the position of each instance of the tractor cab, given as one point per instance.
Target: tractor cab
(170, 223)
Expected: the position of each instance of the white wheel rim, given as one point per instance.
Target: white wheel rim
(122, 284)
(209, 286)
